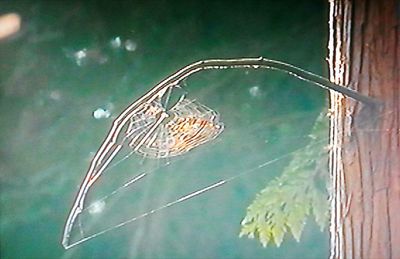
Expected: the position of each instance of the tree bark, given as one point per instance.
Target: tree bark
(364, 53)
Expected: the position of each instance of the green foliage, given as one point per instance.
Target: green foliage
(286, 202)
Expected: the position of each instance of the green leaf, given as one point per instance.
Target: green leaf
(296, 226)
(320, 208)
(278, 233)
(286, 202)
(248, 230)
(265, 236)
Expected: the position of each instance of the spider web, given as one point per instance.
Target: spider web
(137, 184)
(261, 135)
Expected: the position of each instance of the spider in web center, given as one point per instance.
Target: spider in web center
(185, 126)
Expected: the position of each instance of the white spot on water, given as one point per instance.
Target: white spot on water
(115, 42)
(55, 95)
(130, 45)
(101, 113)
(86, 56)
(80, 54)
(97, 207)
(255, 91)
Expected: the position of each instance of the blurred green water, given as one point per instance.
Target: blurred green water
(48, 96)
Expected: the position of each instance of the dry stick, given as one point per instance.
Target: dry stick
(255, 63)
(110, 146)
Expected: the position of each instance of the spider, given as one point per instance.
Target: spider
(187, 125)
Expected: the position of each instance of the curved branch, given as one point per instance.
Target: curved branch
(256, 63)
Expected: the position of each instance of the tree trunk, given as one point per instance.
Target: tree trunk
(364, 53)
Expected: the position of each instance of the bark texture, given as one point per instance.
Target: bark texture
(364, 53)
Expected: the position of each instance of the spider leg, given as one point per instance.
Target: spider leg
(167, 97)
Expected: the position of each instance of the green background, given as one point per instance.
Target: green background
(48, 133)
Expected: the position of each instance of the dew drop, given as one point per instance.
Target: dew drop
(255, 91)
(130, 45)
(101, 113)
(115, 42)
